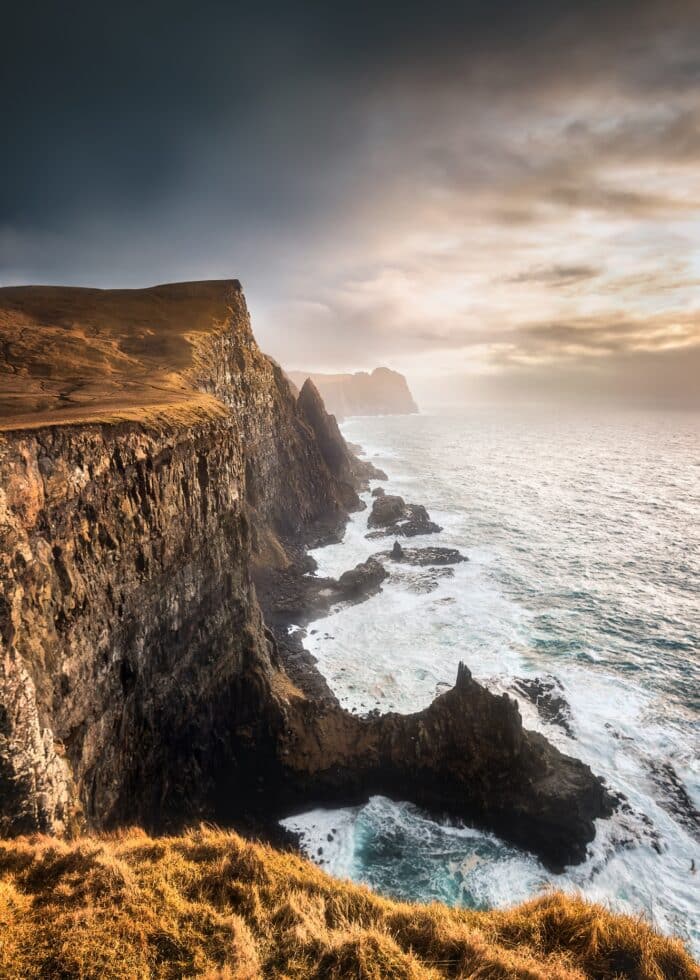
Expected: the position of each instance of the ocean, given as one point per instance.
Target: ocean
(583, 538)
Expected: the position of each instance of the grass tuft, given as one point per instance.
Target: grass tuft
(213, 906)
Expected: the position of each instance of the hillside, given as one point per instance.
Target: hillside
(383, 392)
(86, 355)
(211, 905)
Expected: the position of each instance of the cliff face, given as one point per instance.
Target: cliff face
(138, 681)
(131, 638)
(383, 392)
(346, 467)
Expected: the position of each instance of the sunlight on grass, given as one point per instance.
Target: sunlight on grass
(212, 905)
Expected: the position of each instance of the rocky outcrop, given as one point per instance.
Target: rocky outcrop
(467, 755)
(350, 471)
(673, 795)
(291, 598)
(429, 557)
(138, 680)
(548, 697)
(391, 515)
(383, 392)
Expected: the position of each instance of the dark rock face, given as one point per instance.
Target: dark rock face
(393, 516)
(351, 472)
(291, 598)
(138, 680)
(387, 509)
(364, 579)
(442, 758)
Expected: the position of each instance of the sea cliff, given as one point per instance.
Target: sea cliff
(159, 480)
(381, 392)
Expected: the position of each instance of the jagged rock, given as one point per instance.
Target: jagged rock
(364, 579)
(378, 492)
(547, 696)
(351, 472)
(291, 598)
(394, 516)
(467, 754)
(674, 796)
(387, 509)
(424, 556)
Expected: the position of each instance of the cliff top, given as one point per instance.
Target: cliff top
(71, 355)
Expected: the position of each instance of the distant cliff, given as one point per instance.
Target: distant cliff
(383, 392)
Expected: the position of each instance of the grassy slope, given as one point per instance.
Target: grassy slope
(70, 355)
(212, 905)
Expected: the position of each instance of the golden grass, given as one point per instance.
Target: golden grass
(72, 356)
(178, 410)
(212, 905)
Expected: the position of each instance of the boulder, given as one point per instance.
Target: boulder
(392, 515)
(363, 580)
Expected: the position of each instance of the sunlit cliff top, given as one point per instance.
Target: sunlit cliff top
(70, 355)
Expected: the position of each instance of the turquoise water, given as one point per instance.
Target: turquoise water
(583, 534)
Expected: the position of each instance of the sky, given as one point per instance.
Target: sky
(501, 199)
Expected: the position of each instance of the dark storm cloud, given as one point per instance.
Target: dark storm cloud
(112, 108)
(403, 177)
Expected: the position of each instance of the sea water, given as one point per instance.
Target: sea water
(583, 538)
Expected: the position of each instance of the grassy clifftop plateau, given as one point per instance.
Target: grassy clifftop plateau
(212, 905)
(72, 356)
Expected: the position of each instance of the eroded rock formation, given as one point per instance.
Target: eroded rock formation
(430, 557)
(467, 755)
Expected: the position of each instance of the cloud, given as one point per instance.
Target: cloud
(481, 183)
(557, 275)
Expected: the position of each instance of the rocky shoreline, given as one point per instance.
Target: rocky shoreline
(466, 756)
